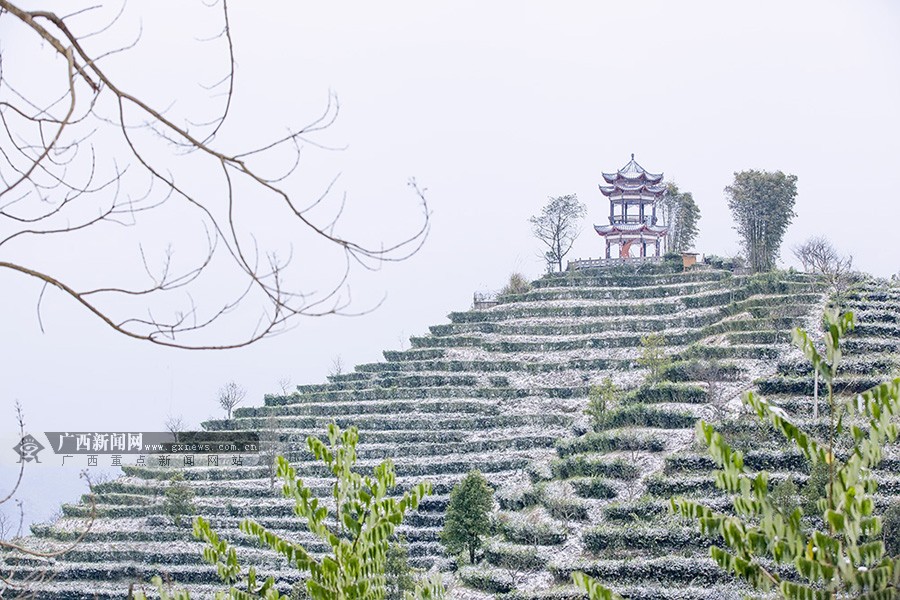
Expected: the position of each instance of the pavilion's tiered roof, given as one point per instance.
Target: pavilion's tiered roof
(633, 189)
(632, 229)
(633, 179)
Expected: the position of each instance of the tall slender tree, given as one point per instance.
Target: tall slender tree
(762, 203)
(557, 227)
(679, 211)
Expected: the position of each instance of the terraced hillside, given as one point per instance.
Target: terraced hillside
(501, 390)
(601, 505)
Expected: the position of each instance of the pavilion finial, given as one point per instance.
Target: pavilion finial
(632, 156)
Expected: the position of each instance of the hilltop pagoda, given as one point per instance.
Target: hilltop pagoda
(633, 193)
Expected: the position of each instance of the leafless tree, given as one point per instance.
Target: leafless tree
(515, 562)
(175, 425)
(710, 373)
(14, 582)
(6, 526)
(337, 366)
(84, 151)
(818, 255)
(230, 395)
(284, 384)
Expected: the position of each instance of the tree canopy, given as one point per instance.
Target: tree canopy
(557, 227)
(762, 203)
(467, 514)
(681, 214)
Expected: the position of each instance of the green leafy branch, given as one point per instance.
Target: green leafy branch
(364, 519)
(846, 559)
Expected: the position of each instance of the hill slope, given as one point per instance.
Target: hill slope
(501, 390)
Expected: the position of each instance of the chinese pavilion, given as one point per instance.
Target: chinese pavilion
(632, 193)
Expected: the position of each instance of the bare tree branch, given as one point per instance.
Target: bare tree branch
(96, 155)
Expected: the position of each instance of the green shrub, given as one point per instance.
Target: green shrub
(653, 356)
(539, 471)
(566, 509)
(675, 570)
(773, 460)
(805, 385)
(517, 284)
(700, 370)
(648, 540)
(674, 258)
(179, 499)
(784, 496)
(600, 400)
(720, 262)
(815, 489)
(658, 485)
(608, 442)
(594, 487)
(519, 497)
(645, 510)
(641, 415)
(587, 466)
(667, 392)
(512, 558)
(490, 581)
(531, 530)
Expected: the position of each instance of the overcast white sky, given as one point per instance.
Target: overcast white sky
(493, 107)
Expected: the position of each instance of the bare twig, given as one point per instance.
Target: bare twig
(53, 156)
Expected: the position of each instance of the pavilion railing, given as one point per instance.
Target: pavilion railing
(594, 263)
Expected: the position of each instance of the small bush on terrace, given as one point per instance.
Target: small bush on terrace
(849, 554)
(600, 400)
(815, 488)
(517, 284)
(653, 357)
(179, 499)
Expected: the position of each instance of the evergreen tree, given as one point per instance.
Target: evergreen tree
(467, 515)
(763, 206)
